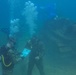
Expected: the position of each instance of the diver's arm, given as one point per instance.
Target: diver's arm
(1, 52)
(41, 52)
(16, 58)
(28, 45)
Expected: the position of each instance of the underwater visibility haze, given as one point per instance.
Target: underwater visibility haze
(53, 22)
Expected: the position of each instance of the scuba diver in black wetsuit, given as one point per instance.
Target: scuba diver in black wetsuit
(36, 55)
(8, 58)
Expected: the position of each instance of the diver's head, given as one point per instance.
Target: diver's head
(8, 45)
(34, 38)
(11, 43)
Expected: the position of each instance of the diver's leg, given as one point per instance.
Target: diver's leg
(40, 67)
(30, 67)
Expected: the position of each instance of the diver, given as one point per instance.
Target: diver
(8, 57)
(36, 55)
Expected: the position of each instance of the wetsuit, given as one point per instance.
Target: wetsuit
(36, 50)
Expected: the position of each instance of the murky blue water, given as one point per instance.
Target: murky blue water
(54, 21)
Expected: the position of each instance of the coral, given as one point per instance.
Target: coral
(30, 13)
